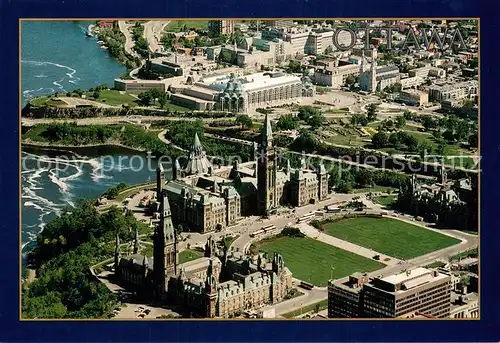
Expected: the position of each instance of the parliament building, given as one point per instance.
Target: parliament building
(204, 198)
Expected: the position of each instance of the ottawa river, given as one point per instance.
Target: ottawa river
(58, 57)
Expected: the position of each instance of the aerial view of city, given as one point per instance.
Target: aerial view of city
(259, 169)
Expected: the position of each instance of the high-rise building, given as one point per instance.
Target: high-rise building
(224, 27)
(421, 290)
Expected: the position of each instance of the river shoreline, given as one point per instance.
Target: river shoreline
(64, 148)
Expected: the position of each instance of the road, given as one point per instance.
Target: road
(153, 32)
(129, 42)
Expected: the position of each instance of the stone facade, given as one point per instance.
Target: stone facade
(204, 198)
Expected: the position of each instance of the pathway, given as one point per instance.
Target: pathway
(344, 245)
(129, 42)
(153, 32)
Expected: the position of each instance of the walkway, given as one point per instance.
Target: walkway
(153, 32)
(344, 245)
(129, 42)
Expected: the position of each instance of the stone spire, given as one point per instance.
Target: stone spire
(373, 75)
(363, 62)
(267, 132)
(198, 162)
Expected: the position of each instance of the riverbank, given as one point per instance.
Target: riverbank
(61, 147)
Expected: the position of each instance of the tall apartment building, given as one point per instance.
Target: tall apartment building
(419, 290)
(224, 27)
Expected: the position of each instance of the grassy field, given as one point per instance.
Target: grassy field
(389, 236)
(174, 107)
(321, 305)
(47, 101)
(311, 261)
(189, 255)
(178, 25)
(113, 97)
(385, 200)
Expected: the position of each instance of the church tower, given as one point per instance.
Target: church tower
(165, 252)
(266, 171)
(373, 75)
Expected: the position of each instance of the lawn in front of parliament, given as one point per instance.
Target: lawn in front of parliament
(312, 261)
(389, 236)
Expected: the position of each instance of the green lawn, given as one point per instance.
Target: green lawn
(389, 236)
(385, 200)
(184, 256)
(178, 25)
(311, 261)
(174, 107)
(321, 305)
(189, 255)
(46, 101)
(113, 97)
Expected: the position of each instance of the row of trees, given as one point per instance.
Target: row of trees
(115, 41)
(73, 134)
(141, 45)
(450, 128)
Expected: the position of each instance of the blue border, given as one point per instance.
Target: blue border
(13, 330)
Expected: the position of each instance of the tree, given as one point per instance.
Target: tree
(412, 143)
(473, 140)
(316, 120)
(162, 101)
(294, 67)
(344, 187)
(424, 148)
(96, 94)
(350, 80)
(371, 112)
(244, 120)
(380, 140)
(145, 98)
(400, 122)
(287, 122)
(462, 130)
(328, 50)
(428, 123)
(364, 178)
(449, 135)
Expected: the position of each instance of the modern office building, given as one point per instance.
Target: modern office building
(421, 290)
(223, 27)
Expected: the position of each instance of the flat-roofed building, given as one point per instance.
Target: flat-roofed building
(139, 85)
(414, 97)
(454, 91)
(344, 297)
(334, 75)
(423, 290)
(420, 290)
